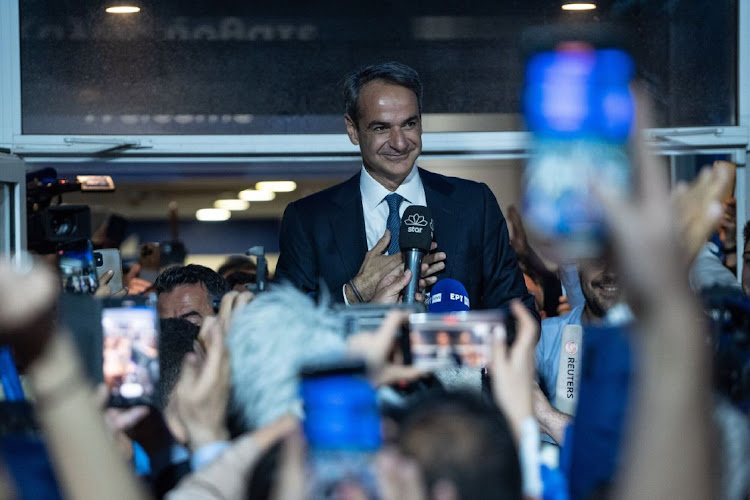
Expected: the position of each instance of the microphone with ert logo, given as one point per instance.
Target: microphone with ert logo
(447, 296)
(415, 238)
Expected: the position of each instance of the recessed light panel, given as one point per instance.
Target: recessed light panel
(256, 195)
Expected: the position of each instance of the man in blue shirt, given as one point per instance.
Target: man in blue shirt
(601, 291)
(590, 447)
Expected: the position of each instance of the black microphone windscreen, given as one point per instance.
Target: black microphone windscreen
(416, 228)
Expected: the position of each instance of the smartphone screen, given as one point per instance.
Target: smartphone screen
(368, 317)
(131, 351)
(342, 427)
(579, 108)
(77, 267)
(459, 339)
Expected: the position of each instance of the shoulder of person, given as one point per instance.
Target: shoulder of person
(342, 191)
(555, 323)
(445, 183)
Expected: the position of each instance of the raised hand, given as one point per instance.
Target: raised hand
(202, 393)
(28, 294)
(133, 283)
(513, 369)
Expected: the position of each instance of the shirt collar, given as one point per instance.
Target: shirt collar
(373, 193)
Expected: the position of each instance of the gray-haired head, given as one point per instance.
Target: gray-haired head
(270, 339)
(391, 72)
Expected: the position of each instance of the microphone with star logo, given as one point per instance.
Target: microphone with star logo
(415, 238)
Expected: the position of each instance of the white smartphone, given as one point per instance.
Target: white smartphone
(109, 259)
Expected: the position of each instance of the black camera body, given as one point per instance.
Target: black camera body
(51, 226)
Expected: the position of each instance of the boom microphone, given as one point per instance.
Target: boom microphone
(415, 238)
(569, 371)
(447, 296)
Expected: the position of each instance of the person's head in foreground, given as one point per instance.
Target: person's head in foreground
(463, 447)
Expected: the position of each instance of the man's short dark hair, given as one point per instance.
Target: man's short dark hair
(236, 263)
(745, 235)
(392, 72)
(462, 439)
(240, 278)
(531, 273)
(190, 274)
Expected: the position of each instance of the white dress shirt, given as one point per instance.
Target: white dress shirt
(375, 208)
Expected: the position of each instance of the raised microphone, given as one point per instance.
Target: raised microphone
(415, 238)
(569, 370)
(448, 296)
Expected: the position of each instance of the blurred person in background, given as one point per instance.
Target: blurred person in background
(601, 290)
(463, 445)
(546, 282)
(709, 265)
(535, 286)
(669, 446)
(86, 462)
(189, 292)
(240, 281)
(235, 264)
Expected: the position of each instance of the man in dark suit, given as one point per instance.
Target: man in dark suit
(342, 235)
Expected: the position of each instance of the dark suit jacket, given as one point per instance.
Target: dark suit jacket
(323, 237)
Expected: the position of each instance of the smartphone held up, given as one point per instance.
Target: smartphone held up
(342, 428)
(109, 259)
(131, 351)
(77, 267)
(463, 339)
(580, 111)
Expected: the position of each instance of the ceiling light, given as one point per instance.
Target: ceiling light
(578, 6)
(122, 9)
(233, 205)
(212, 214)
(277, 186)
(256, 195)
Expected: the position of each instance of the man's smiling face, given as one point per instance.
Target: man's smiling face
(600, 287)
(388, 131)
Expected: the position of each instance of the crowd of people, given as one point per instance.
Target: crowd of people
(629, 344)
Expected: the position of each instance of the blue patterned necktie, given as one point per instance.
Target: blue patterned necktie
(394, 221)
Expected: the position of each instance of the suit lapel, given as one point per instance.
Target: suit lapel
(446, 212)
(348, 225)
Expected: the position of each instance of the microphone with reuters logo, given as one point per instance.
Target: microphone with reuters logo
(569, 370)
